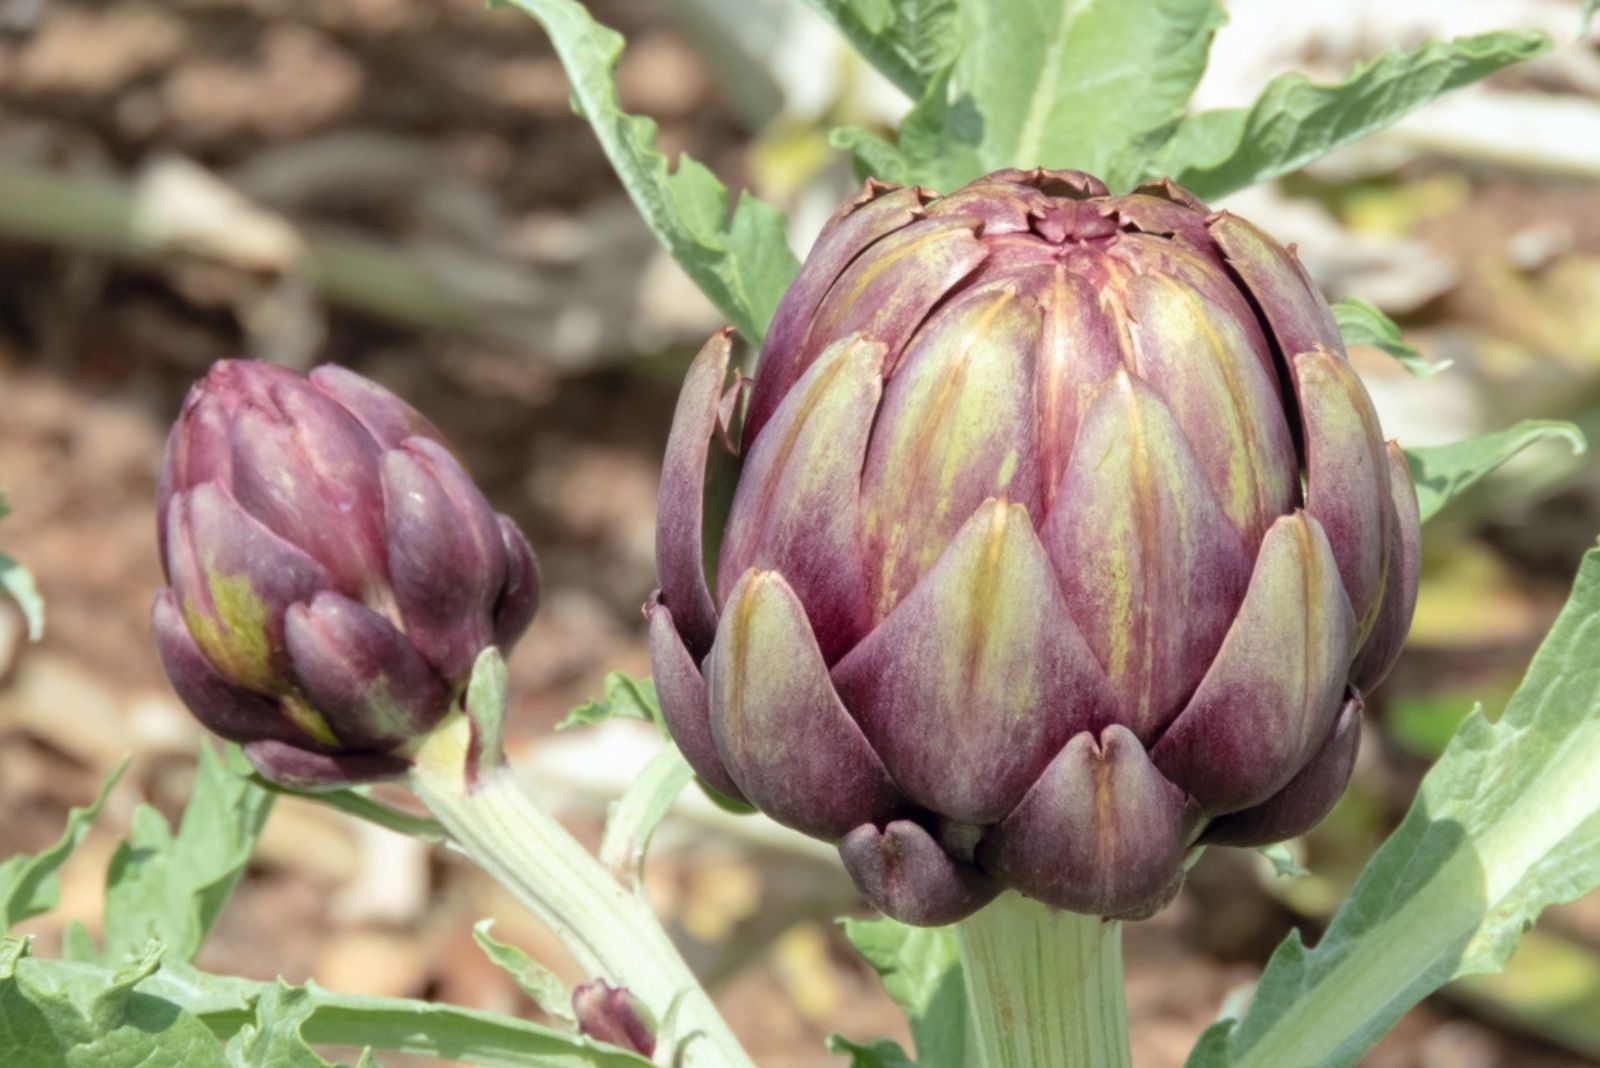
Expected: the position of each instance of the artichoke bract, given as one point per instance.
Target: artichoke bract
(334, 572)
(1062, 538)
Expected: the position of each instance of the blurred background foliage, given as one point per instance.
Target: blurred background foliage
(400, 185)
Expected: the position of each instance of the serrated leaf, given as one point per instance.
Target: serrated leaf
(533, 978)
(225, 1006)
(1296, 121)
(921, 970)
(1445, 471)
(1506, 823)
(1058, 83)
(1284, 865)
(634, 817)
(742, 263)
(874, 156)
(170, 887)
(28, 882)
(437, 1030)
(883, 1053)
(908, 41)
(623, 696)
(55, 1014)
(17, 582)
(1362, 323)
(274, 1039)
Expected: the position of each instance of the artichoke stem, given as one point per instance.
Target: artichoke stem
(1044, 987)
(611, 931)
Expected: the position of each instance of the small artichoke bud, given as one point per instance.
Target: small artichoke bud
(613, 1014)
(333, 572)
(1063, 538)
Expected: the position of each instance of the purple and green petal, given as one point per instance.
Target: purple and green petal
(447, 561)
(1079, 350)
(877, 212)
(1347, 475)
(234, 579)
(1160, 216)
(957, 426)
(518, 600)
(1308, 797)
(1203, 362)
(684, 703)
(1294, 308)
(385, 416)
(1275, 686)
(301, 769)
(889, 290)
(231, 711)
(1151, 568)
(1005, 206)
(784, 737)
(979, 677)
(1101, 832)
(797, 507)
(1383, 645)
(904, 874)
(364, 678)
(680, 508)
(303, 466)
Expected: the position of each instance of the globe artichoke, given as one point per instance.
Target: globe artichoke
(1061, 538)
(333, 571)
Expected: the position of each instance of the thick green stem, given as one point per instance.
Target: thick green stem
(610, 930)
(1044, 987)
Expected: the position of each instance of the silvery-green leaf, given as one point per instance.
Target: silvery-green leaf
(17, 581)
(1362, 323)
(1506, 823)
(1296, 121)
(884, 1053)
(58, 1013)
(622, 696)
(170, 887)
(28, 882)
(921, 970)
(634, 818)
(874, 156)
(533, 978)
(274, 1039)
(1444, 471)
(1058, 83)
(907, 40)
(743, 262)
(1282, 859)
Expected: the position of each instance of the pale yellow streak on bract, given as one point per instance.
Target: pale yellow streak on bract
(235, 640)
(308, 719)
(885, 259)
(953, 423)
(1244, 496)
(999, 619)
(1345, 414)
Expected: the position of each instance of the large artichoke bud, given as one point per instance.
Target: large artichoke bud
(1062, 538)
(334, 572)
